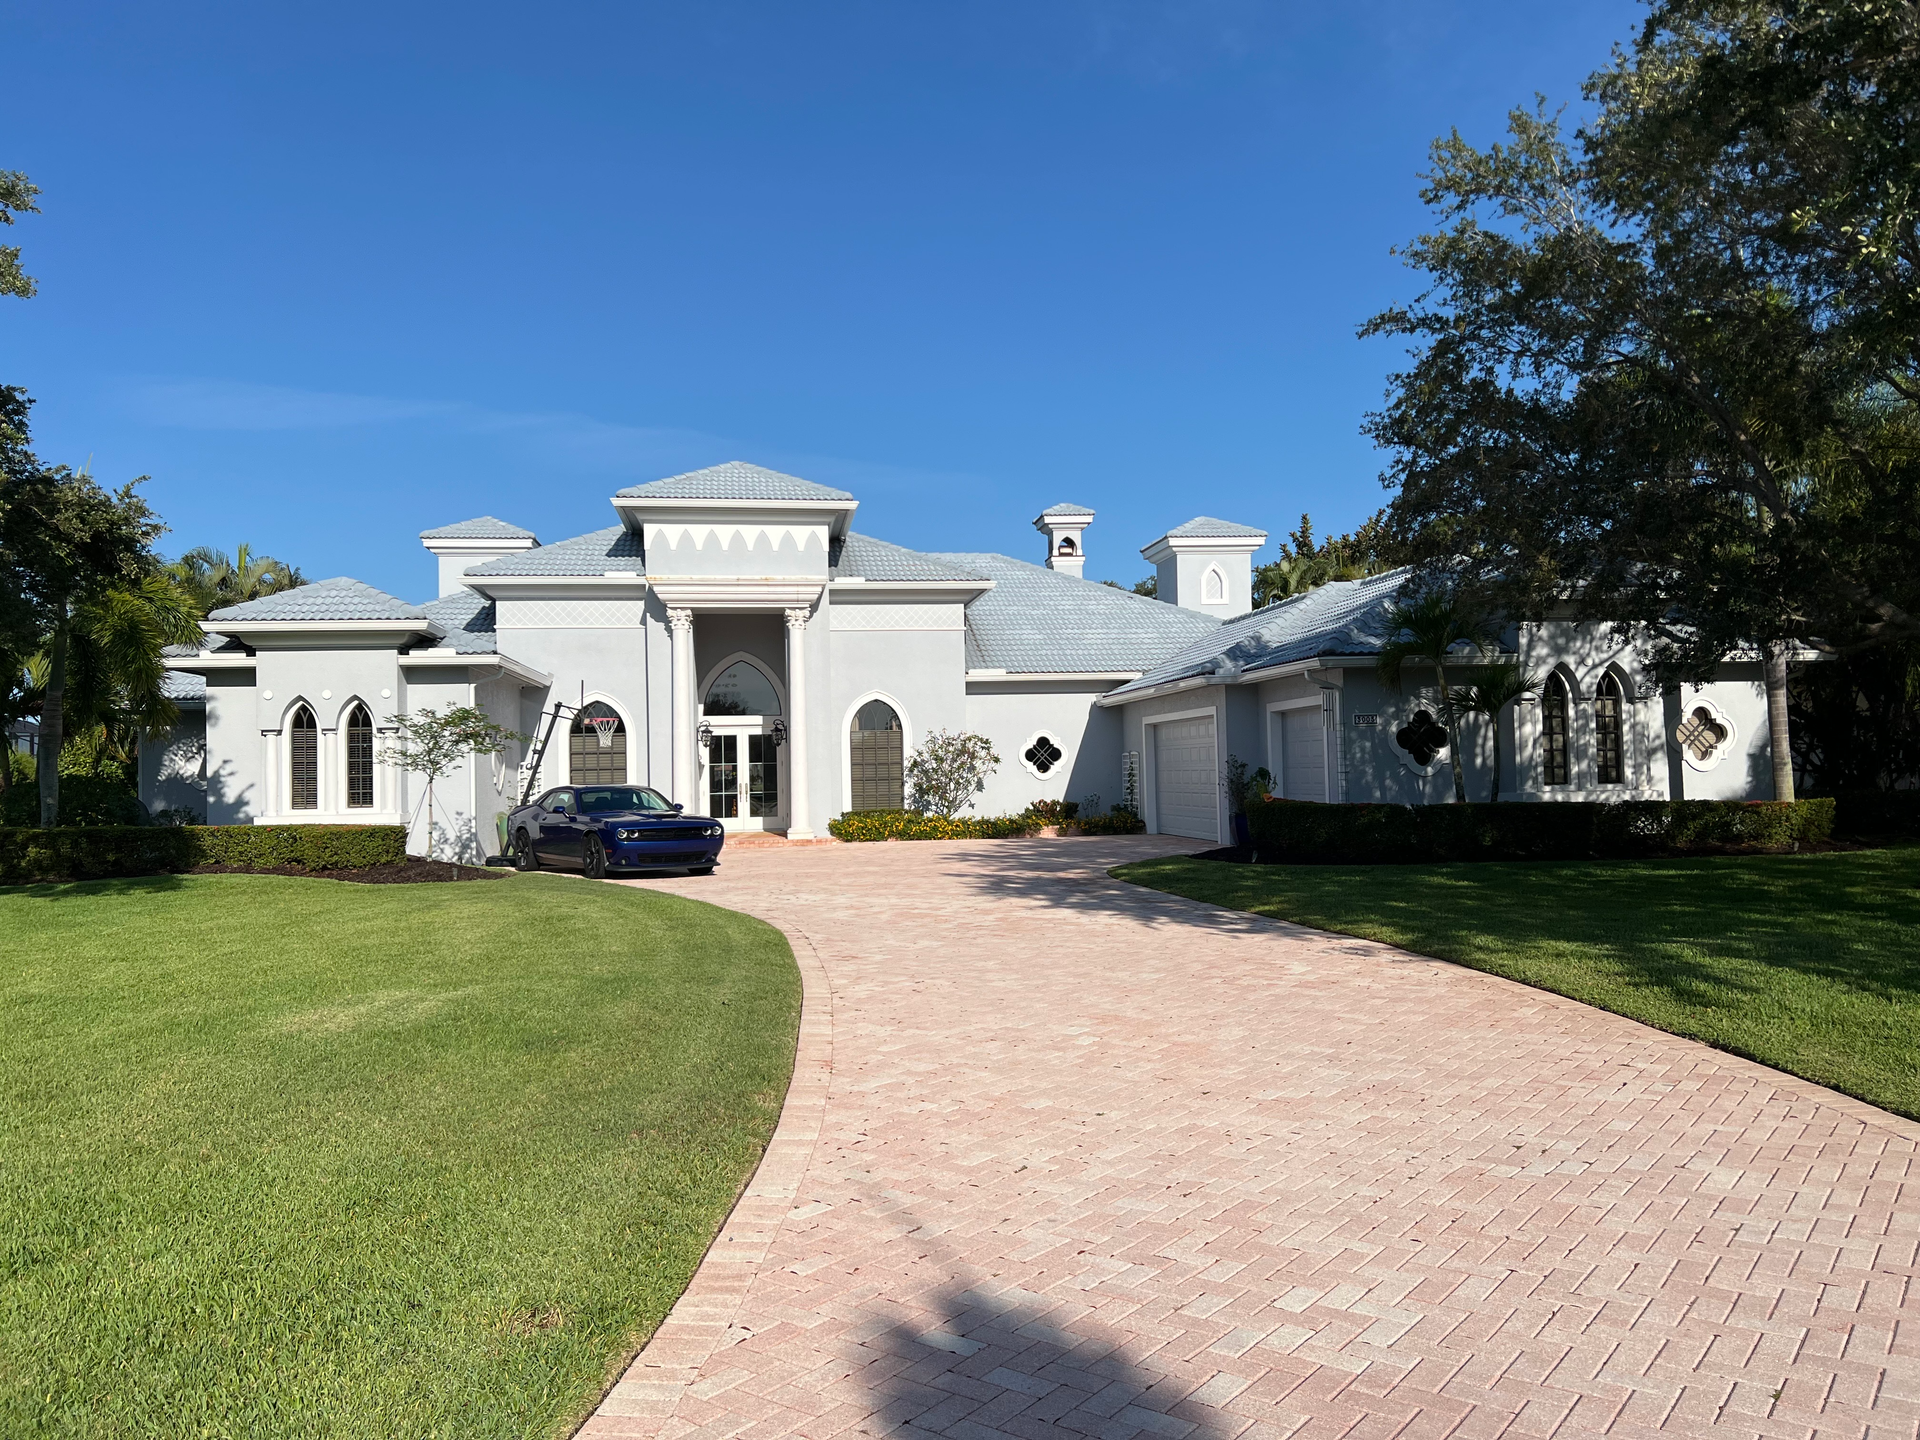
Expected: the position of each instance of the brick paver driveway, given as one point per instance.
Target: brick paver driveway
(1067, 1157)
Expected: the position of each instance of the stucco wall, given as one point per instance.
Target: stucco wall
(173, 769)
(1135, 719)
(234, 794)
(607, 663)
(1009, 714)
(919, 668)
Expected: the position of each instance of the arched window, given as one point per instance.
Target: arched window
(1213, 589)
(741, 689)
(875, 753)
(305, 753)
(359, 759)
(1554, 711)
(597, 748)
(1608, 751)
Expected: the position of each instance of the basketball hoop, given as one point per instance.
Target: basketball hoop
(604, 726)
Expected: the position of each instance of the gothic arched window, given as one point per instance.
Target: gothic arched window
(876, 758)
(1555, 708)
(597, 748)
(1609, 751)
(359, 728)
(304, 792)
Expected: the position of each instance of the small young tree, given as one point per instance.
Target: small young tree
(430, 743)
(947, 769)
(1497, 687)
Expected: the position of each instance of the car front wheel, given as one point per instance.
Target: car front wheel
(523, 856)
(593, 858)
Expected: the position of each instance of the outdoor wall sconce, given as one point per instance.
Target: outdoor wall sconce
(779, 733)
(704, 735)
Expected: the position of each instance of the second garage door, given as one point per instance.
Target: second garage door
(1186, 786)
(1303, 760)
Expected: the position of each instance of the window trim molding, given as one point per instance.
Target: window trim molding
(1065, 762)
(846, 741)
(1703, 701)
(1213, 573)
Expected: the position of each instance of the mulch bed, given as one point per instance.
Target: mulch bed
(414, 871)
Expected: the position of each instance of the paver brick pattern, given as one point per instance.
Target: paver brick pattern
(1068, 1158)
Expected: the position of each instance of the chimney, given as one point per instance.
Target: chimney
(1064, 526)
(473, 542)
(1207, 565)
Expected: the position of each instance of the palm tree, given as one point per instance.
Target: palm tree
(216, 582)
(1498, 687)
(1428, 628)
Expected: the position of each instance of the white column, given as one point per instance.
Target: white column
(685, 777)
(797, 806)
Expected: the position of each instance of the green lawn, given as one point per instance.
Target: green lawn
(1808, 963)
(290, 1157)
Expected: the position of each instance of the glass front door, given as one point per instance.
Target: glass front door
(743, 777)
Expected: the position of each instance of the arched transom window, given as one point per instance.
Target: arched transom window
(1555, 708)
(741, 689)
(304, 754)
(876, 757)
(359, 728)
(597, 748)
(1609, 757)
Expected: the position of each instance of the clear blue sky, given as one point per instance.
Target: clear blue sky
(332, 274)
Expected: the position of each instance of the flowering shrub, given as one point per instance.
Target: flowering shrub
(947, 769)
(912, 825)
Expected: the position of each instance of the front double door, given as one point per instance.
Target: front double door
(745, 787)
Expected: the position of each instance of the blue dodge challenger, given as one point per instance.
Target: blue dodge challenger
(597, 828)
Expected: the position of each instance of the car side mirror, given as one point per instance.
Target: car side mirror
(678, 808)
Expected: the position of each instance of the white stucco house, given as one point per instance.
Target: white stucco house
(733, 642)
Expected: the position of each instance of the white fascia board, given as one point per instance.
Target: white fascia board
(636, 509)
(479, 545)
(1168, 545)
(629, 586)
(449, 659)
(362, 631)
(989, 677)
(1228, 677)
(896, 590)
(200, 664)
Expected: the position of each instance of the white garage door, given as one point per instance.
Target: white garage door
(1186, 787)
(1303, 761)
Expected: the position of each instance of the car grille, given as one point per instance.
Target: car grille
(650, 833)
(670, 857)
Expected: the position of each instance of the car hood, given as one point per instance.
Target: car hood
(644, 817)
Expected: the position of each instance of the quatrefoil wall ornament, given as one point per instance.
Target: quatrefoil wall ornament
(1042, 755)
(1423, 738)
(1704, 735)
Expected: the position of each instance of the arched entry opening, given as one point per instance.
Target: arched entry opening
(597, 749)
(876, 758)
(742, 733)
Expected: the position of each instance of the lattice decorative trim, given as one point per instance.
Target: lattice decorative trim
(569, 614)
(899, 617)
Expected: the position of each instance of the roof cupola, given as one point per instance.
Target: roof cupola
(1065, 527)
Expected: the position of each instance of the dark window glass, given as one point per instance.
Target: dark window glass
(723, 777)
(741, 689)
(306, 761)
(1608, 751)
(606, 800)
(359, 758)
(875, 752)
(597, 754)
(763, 776)
(1043, 754)
(1553, 733)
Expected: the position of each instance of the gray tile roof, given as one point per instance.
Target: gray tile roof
(871, 559)
(1347, 617)
(1064, 509)
(615, 548)
(481, 527)
(1035, 619)
(467, 617)
(735, 480)
(340, 598)
(1208, 528)
(184, 688)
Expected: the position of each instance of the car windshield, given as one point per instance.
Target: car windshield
(603, 800)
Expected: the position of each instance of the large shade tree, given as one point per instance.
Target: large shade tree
(1665, 372)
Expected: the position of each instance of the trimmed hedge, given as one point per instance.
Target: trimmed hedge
(1877, 812)
(911, 825)
(1114, 822)
(1305, 833)
(83, 852)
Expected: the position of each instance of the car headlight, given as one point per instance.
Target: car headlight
(713, 830)
(626, 834)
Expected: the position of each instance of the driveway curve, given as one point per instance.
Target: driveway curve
(1067, 1157)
